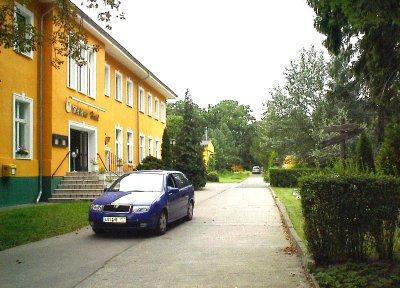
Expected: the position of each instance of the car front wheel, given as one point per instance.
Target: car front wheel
(161, 224)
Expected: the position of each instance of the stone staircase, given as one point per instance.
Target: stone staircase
(78, 186)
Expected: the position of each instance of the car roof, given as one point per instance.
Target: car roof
(164, 172)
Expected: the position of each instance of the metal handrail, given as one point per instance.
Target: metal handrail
(65, 157)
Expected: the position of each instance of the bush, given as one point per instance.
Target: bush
(212, 176)
(389, 156)
(150, 163)
(347, 215)
(364, 155)
(237, 168)
(280, 177)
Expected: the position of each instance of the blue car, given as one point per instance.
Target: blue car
(143, 200)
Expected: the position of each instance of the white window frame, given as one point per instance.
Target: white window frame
(72, 79)
(150, 148)
(163, 112)
(91, 73)
(22, 98)
(120, 143)
(129, 92)
(107, 80)
(141, 95)
(129, 146)
(82, 74)
(149, 104)
(117, 73)
(157, 148)
(25, 12)
(142, 147)
(156, 108)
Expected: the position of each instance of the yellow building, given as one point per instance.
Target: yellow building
(108, 112)
(208, 150)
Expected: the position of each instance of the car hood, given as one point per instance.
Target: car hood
(130, 198)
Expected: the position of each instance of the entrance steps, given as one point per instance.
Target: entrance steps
(78, 186)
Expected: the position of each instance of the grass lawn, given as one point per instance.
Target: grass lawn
(28, 224)
(233, 177)
(293, 208)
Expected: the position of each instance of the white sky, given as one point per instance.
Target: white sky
(219, 49)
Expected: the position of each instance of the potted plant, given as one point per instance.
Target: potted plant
(102, 173)
(95, 164)
(22, 152)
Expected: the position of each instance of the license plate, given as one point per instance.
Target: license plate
(114, 219)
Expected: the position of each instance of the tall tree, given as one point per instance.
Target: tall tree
(370, 31)
(166, 151)
(188, 151)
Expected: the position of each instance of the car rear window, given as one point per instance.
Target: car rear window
(139, 182)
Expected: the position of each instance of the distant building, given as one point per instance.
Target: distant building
(208, 150)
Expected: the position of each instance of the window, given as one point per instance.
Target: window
(72, 73)
(150, 147)
(107, 80)
(82, 73)
(157, 152)
(149, 104)
(141, 148)
(118, 143)
(118, 86)
(129, 147)
(129, 92)
(23, 19)
(23, 127)
(162, 112)
(180, 180)
(141, 99)
(156, 109)
(91, 73)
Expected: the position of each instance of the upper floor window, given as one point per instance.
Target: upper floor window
(129, 92)
(118, 86)
(149, 104)
(107, 80)
(24, 21)
(156, 109)
(23, 127)
(163, 112)
(91, 73)
(141, 99)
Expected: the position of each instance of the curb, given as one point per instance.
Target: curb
(307, 261)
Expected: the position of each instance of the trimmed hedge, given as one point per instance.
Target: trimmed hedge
(280, 177)
(212, 176)
(349, 216)
(150, 163)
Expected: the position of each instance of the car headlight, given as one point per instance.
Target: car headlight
(140, 209)
(96, 207)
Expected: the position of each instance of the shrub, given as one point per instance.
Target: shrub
(347, 214)
(280, 177)
(364, 155)
(212, 176)
(266, 176)
(389, 156)
(150, 163)
(237, 168)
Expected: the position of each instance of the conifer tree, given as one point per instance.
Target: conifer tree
(188, 151)
(364, 155)
(166, 151)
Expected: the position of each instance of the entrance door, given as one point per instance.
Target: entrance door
(79, 145)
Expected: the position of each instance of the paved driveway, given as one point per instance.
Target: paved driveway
(235, 240)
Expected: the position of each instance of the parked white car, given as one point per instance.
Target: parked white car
(256, 170)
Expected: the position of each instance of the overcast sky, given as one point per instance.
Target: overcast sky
(219, 49)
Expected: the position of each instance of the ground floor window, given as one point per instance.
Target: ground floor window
(150, 148)
(118, 144)
(141, 148)
(157, 144)
(23, 127)
(129, 147)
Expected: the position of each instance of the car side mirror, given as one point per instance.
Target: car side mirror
(172, 190)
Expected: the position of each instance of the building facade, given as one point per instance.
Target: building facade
(110, 112)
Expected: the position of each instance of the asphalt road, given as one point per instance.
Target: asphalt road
(235, 240)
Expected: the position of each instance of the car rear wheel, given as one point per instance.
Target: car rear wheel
(161, 224)
(189, 215)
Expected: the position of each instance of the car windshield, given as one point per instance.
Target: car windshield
(139, 182)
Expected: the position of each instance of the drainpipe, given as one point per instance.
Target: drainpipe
(138, 113)
(41, 107)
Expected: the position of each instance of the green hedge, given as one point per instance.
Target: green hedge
(212, 176)
(280, 177)
(150, 163)
(349, 216)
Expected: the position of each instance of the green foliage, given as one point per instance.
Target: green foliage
(389, 156)
(150, 163)
(280, 177)
(212, 176)
(356, 275)
(345, 215)
(364, 156)
(233, 177)
(166, 151)
(28, 224)
(188, 151)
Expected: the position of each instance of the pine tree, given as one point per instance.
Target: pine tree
(364, 155)
(188, 151)
(166, 151)
(388, 158)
